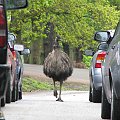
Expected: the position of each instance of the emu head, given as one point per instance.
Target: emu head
(56, 43)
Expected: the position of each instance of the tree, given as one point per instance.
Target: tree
(74, 20)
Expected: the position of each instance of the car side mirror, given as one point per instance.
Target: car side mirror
(11, 37)
(102, 36)
(26, 51)
(18, 47)
(16, 4)
(89, 52)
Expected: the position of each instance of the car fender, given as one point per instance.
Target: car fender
(106, 84)
(115, 71)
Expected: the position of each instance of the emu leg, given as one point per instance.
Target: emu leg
(59, 99)
(55, 91)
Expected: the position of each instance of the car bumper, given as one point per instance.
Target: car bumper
(97, 82)
(4, 76)
(97, 79)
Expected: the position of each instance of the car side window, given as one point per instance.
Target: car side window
(103, 46)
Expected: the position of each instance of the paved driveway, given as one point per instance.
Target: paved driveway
(42, 106)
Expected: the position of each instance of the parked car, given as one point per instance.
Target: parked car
(10, 94)
(110, 107)
(6, 58)
(19, 70)
(95, 75)
(10, 74)
(15, 89)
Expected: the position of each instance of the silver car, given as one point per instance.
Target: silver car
(95, 74)
(95, 69)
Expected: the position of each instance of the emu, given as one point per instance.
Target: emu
(57, 66)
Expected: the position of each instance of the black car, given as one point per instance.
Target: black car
(19, 71)
(110, 107)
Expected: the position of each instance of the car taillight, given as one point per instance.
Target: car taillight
(2, 28)
(100, 58)
(14, 55)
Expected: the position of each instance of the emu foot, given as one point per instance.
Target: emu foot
(55, 93)
(60, 100)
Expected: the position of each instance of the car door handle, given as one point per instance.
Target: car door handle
(107, 53)
(113, 47)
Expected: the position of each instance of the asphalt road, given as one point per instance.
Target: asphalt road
(42, 105)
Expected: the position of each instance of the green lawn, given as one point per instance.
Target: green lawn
(33, 84)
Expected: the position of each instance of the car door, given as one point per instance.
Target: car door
(115, 61)
(105, 72)
(110, 65)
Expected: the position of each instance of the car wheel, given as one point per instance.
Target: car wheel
(8, 93)
(105, 106)
(115, 107)
(90, 94)
(96, 95)
(17, 92)
(3, 101)
(20, 93)
(14, 93)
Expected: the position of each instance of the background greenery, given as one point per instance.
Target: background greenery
(74, 20)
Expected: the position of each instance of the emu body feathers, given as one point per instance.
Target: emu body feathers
(57, 66)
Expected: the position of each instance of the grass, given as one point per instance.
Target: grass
(31, 84)
(35, 84)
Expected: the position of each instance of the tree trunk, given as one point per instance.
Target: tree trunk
(79, 55)
(48, 42)
(35, 52)
(66, 48)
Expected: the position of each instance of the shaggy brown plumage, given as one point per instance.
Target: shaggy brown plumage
(57, 66)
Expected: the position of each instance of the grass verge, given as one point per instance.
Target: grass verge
(33, 84)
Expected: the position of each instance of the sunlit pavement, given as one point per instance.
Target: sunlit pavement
(43, 106)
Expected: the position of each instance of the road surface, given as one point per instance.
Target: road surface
(43, 106)
(79, 75)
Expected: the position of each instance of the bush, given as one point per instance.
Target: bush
(87, 60)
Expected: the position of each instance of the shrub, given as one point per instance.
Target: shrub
(87, 60)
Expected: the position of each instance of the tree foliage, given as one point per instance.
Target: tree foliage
(74, 20)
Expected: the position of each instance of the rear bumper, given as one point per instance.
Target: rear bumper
(4, 76)
(97, 78)
(97, 82)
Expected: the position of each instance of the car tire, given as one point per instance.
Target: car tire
(17, 92)
(14, 93)
(90, 94)
(8, 93)
(105, 106)
(96, 95)
(115, 107)
(20, 93)
(3, 101)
